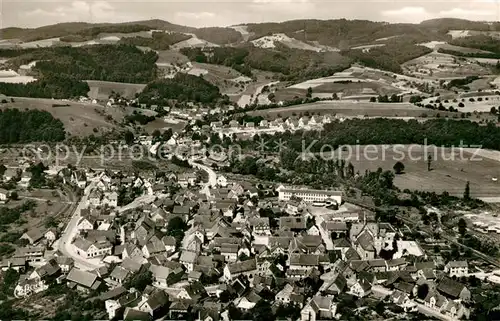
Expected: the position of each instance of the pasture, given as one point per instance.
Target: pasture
(79, 119)
(101, 90)
(356, 109)
(450, 168)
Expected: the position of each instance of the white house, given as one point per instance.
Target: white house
(110, 199)
(457, 268)
(221, 181)
(87, 249)
(233, 270)
(310, 195)
(4, 196)
(319, 307)
(25, 179)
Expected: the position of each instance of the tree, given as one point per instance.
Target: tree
(309, 92)
(156, 133)
(140, 280)
(422, 291)
(399, 168)
(373, 99)
(14, 196)
(129, 137)
(467, 191)
(462, 226)
(335, 96)
(493, 110)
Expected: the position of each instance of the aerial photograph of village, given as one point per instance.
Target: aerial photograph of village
(263, 160)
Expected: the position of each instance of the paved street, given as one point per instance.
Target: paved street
(64, 243)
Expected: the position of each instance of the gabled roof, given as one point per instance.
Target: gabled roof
(365, 240)
(457, 264)
(83, 278)
(304, 259)
(244, 266)
(450, 287)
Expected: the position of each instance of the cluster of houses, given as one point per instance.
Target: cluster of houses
(271, 126)
(20, 176)
(203, 249)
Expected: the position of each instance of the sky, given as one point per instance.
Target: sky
(203, 13)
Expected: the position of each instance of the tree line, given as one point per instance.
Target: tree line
(292, 64)
(182, 88)
(29, 126)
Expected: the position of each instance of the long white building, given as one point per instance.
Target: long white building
(310, 195)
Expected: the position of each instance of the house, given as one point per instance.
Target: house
(119, 275)
(88, 249)
(435, 301)
(291, 223)
(221, 181)
(79, 178)
(87, 222)
(303, 261)
(18, 264)
(457, 268)
(361, 288)
(160, 275)
(310, 195)
(365, 246)
(230, 252)
(153, 248)
(65, 263)
(453, 289)
(83, 280)
(95, 198)
(33, 235)
(233, 270)
(10, 174)
(188, 259)
(110, 199)
(51, 235)
(155, 304)
(170, 243)
(30, 253)
(319, 307)
(25, 179)
(335, 286)
(4, 196)
(187, 179)
(26, 286)
(403, 300)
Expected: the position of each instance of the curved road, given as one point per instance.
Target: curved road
(212, 176)
(70, 232)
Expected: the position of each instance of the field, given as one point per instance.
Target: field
(172, 57)
(78, 118)
(450, 169)
(353, 109)
(440, 66)
(101, 90)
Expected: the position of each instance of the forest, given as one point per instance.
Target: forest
(158, 41)
(182, 88)
(119, 63)
(91, 33)
(293, 64)
(389, 57)
(29, 126)
(54, 86)
(481, 42)
(440, 132)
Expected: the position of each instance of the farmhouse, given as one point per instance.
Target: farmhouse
(310, 195)
(4, 195)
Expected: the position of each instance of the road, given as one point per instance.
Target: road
(212, 176)
(64, 243)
